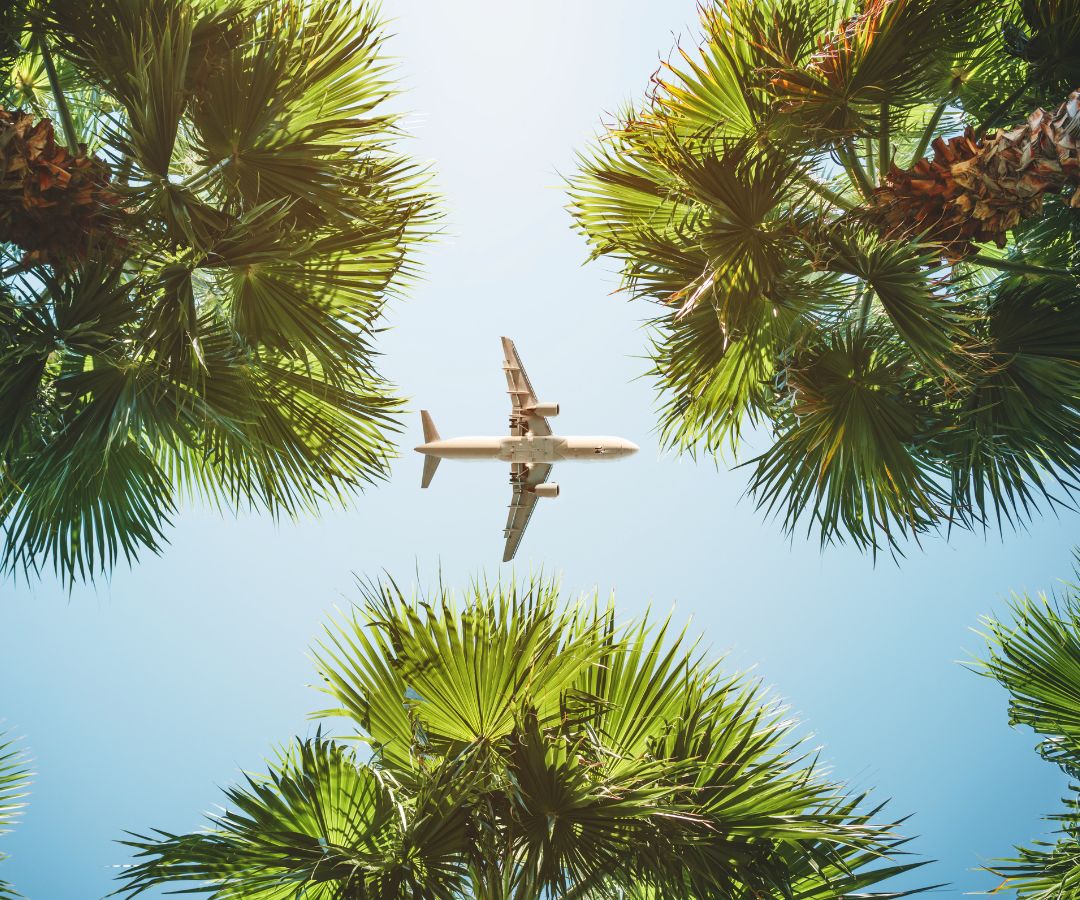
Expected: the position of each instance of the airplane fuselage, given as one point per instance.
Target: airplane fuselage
(531, 448)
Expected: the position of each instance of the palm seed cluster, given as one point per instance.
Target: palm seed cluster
(973, 191)
(53, 204)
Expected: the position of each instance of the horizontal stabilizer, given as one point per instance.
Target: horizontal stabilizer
(431, 463)
(430, 432)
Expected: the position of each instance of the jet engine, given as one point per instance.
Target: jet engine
(550, 489)
(544, 409)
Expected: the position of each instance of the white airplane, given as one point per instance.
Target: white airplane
(531, 448)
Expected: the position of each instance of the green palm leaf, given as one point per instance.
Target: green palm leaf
(216, 336)
(1035, 656)
(744, 196)
(466, 672)
(850, 445)
(1047, 869)
(322, 825)
(14, 779)
(870, 57)
(906, 281)
(522, 746)
(1044, 35)
(1014, 442)
(719, 91)
(12, 20)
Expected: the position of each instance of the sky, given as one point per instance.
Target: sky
(141, 696)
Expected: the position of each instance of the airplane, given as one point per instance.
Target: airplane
(531, 448)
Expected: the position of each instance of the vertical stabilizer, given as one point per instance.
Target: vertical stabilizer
(430, 432)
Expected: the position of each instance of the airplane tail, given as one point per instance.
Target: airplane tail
(431, 463)
(431, 433)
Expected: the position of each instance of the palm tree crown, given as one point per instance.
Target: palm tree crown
(202, 215)
(907, 328)
(1036, 658)
(519, 747)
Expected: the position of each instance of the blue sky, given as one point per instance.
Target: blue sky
(143, 695)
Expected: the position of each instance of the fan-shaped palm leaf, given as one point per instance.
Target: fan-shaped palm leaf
(869, 61)
(216, 334)
(772, 193)
(1015, 441)
(322, 826)
(535, 748)
(1035, 656)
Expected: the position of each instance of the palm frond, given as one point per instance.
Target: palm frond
(720, 91)
(1035, 655)
(773, 192)
(909, 284)
(1036, 658)
(523, 746)
(12, 21)
(14, 779)
(216, 334)
(322, 825)
(1013, 445)
(571, 826)
(1045, 36)
(882, 58)
(1047, 869)
(850, 452)
(465, 673)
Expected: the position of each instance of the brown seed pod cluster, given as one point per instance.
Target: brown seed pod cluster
(974, 191)
(53, 204)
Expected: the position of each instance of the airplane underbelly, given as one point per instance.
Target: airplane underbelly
(528, 450)
(465, 448)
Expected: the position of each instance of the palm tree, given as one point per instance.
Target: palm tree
(13, 781)
(1036, 658)
(202, 217)
(517, 747)
(905, 329)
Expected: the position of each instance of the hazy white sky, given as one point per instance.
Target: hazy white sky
(143, 695)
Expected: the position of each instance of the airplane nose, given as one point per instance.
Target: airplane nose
(630, 448)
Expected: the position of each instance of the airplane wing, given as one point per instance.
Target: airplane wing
(522, 396)
(522, 477)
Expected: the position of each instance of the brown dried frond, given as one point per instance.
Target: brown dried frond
(974, 191)
(52, 202)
